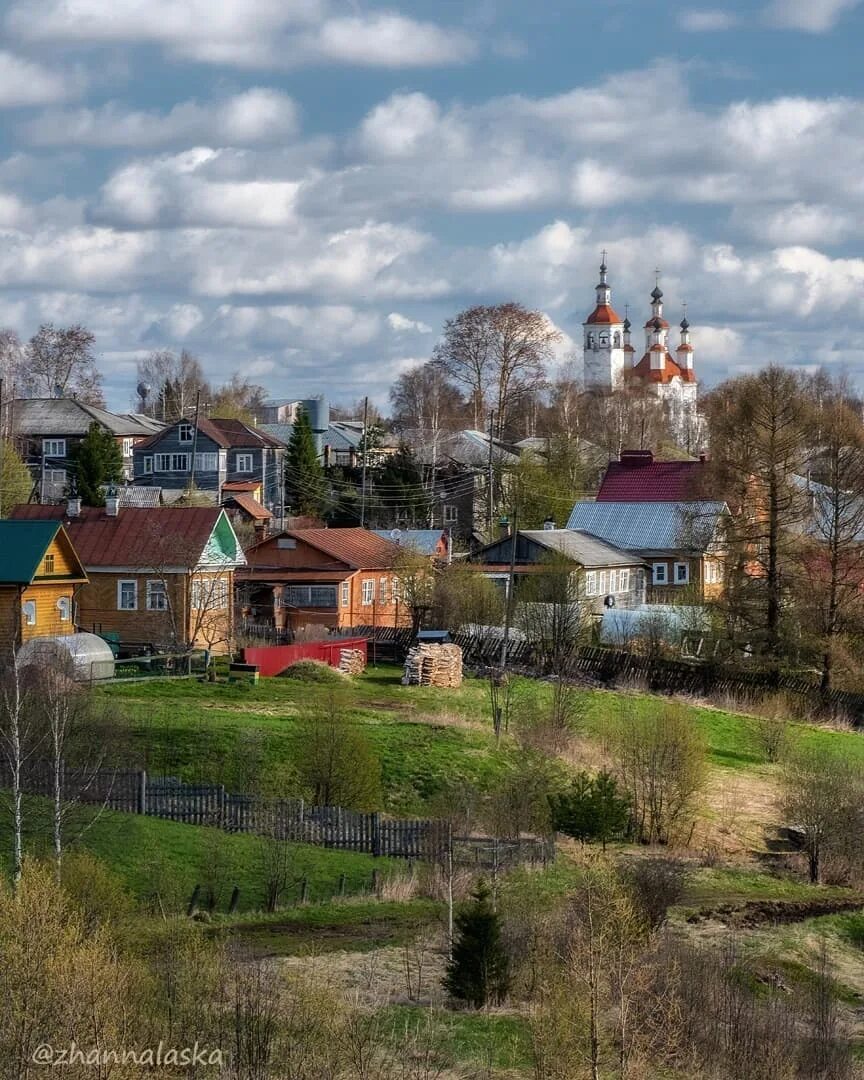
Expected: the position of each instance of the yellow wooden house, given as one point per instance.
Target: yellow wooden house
(39, 572)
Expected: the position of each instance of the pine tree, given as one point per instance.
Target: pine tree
(305, 475)
(479, 970)
(592, 808)
(98, 461)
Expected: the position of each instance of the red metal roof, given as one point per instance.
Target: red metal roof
(251, 506)
(225, 433)
(637, 477)
(280, 574)
(667, 373)
(603, 313)
(241, 485)
(160, 535)
(357, 548)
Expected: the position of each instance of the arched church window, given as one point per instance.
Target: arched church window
(617, 339)
(604, 340)
(590, 341)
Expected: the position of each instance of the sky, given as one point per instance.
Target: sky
(303, 191)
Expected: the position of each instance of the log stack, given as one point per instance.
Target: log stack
(433, 665)
(352, 661)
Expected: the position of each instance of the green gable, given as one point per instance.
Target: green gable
(22, 548)
(222, 548)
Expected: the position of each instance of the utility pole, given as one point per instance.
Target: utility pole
(2, 447)
(194, 444)
(364, 444)
(490, 509)
(511, 575)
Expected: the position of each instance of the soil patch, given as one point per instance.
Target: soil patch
(754, 913)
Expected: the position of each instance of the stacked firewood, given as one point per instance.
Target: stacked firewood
(433, 665)
(352, 661)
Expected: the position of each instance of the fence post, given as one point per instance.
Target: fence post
(304, 890)
(342, 880)
(376, 833)
(235, 899)
(376, 882)
(142, 792)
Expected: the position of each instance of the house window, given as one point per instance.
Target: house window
(623, 581)
(54, 448)
(382, 590)
(127, 595)
(64, 607)
(394, 590)
(148, 465)
(185, 433)
(206, 462)
(28, 612)
(179, 463)
(661, 573)
(243, 463)
(209, 594)
(602, 584)
(162, 462)
(713, 573)
(157, 596)
(56, 477)
(309, 596)
(451, 515)
(591, 583)
(48, 564)
(682, 573)
(368, 586)
(613, 581)
(127, 447)
(346, 593)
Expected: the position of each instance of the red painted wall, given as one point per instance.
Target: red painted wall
(272, 659)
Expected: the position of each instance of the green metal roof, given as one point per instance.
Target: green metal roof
(22, 548)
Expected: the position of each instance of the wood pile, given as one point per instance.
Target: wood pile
(433, 665)
(352, 661)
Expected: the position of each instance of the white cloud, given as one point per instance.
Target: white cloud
(245, 33)
(256, 116)
(24, 82)
(814, 16)
(399, 324)
(709, 20)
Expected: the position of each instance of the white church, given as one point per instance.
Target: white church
(610, 359)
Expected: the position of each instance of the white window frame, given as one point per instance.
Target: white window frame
(128, 447)
(162, 463)
(209, 594)
(54, 448)
(382, 590)
(613, 581)
(394, 590)
(659, 573)
(55, 476)
(185, 433)
(591, 583)
(367, 586)
(64, 607)
(127, 607)
(345, 594)
(601, 583)
(451, 514)
(48, 567)
(207, 462)
(244, 463)
(179, 462)
(685, 580)
(161, 589)
(28, 612)
(624, 581)
(147, 465)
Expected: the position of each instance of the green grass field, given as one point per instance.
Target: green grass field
(427, 739)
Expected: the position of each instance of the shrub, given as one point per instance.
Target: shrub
(655, 885)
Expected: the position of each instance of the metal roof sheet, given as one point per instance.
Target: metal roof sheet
(582, 547)
(424, 541)
(650, 526)
(68, 416)
(24, 544)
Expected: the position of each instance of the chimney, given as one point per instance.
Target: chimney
(503, 527)
(73, 506)
(112, 502)
(549, 523)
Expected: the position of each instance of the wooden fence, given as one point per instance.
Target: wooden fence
(670, 676)
(135, 792)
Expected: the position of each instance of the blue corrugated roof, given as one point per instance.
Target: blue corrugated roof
(650, 526)
(423, 540)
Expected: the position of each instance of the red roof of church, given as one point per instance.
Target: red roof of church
(637, 477)
(650, 324)
(603, 313)
(667, 373)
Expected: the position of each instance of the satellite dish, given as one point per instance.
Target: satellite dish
(396, 535)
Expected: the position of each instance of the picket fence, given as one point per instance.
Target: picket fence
(136, 792)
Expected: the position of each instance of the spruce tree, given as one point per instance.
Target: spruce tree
(592, 808)
(478, 973)
(98, 460)
(304, 473)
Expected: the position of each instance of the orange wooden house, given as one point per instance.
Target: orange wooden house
(39, 574)
(329, 578)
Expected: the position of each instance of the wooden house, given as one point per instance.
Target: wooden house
(681, 542)
(40, 573)
(330, 578)
(161, 578)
